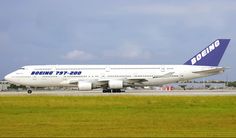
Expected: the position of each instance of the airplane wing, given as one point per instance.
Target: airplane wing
(131, 80)
(75, 82)
(138, 79)
(165, 75)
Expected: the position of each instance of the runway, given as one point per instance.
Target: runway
(129, 92)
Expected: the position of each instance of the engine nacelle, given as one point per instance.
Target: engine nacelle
(115, 84)
(84, 86)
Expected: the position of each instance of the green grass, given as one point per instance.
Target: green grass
(118, 116)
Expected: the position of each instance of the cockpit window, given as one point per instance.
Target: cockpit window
(21, 68)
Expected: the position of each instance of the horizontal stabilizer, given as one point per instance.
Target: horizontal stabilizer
(213, 70)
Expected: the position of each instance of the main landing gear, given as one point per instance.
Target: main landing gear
(113, 90)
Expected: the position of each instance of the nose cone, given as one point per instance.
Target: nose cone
(7, 77)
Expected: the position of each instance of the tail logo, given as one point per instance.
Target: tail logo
(205, 52)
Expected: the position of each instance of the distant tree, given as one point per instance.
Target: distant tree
(232, 84)
(13, 86)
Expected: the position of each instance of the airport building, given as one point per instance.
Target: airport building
(190, 86)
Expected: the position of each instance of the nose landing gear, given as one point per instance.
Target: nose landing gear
(29, 91)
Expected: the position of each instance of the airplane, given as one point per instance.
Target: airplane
(115, 78)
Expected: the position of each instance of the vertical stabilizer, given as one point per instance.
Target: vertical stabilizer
(211, 55)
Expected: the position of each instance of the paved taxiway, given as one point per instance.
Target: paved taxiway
(129, 92)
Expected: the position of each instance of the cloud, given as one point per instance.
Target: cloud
(128, 51)
(78, 55)
(175, 9)
(212, 14)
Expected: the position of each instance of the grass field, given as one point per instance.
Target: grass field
(119, 116)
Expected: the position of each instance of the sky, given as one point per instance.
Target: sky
(36, 32)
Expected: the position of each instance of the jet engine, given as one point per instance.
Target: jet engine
(115, 84)
(84, 86)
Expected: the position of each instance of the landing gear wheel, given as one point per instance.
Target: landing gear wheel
(106, 91)
(29, 91)
(116, 90)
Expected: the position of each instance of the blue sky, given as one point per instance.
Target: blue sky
(113, 32)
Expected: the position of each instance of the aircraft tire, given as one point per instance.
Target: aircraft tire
(29, 91)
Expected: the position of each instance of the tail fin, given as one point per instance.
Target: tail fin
(211, 55)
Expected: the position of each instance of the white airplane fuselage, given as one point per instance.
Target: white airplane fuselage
(130, 75)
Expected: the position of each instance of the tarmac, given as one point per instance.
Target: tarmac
(128, 92)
